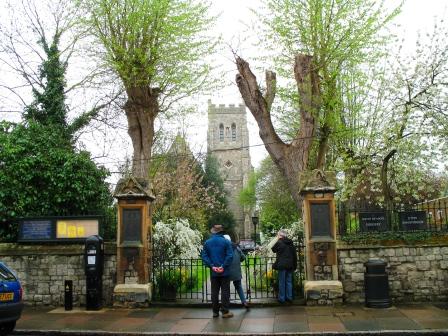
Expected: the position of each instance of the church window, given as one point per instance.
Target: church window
(233, 132)
(221, 132)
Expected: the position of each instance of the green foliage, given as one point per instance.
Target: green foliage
(247, 195)
(213, 177)
(382, 238)
(223, 217)
(49, 106)
(277, 208)
(42, 175)
(342, 36)
(215, 183)
(154, 43)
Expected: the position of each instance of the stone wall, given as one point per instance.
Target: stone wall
(42, 270)
(416, 273)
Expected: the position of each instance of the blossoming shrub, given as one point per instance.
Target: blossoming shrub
(176, 239)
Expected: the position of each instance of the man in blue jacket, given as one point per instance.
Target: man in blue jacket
(217, 254)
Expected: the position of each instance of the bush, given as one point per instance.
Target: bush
(43, 175)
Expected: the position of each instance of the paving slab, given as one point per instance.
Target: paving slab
(279, 319)
(398, 323)
(282, 327)
(361, 325)
(257, 325)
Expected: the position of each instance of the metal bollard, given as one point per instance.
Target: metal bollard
(68, 291)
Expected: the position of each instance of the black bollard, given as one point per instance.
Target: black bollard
(68, 302)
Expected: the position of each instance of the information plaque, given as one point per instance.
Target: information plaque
(412, 220)
(372, 221)
(31, 230)
(132, 225)
(58, 229)
(320, 220)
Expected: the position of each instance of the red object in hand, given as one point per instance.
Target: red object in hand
(217, 269)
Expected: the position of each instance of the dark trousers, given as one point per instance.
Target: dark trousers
(223, 284)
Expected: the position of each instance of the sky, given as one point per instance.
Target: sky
(234, 25)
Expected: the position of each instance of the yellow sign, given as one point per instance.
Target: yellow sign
(71, 232)
(77, 228)
(80, 231)
(62, 228)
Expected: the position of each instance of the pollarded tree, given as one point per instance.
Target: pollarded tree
(323, 39)
(158, 50)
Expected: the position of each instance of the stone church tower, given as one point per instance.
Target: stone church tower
(228, 142)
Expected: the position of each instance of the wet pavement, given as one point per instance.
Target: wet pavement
(279, 319)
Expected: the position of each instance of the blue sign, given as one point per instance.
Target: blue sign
(36, 230)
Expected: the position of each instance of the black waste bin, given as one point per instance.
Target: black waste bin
(376, 284)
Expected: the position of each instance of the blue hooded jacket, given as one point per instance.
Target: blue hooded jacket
(217, 252)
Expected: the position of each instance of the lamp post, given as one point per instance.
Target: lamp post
(255, 223)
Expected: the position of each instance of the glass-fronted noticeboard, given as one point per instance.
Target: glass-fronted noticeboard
(58, 229)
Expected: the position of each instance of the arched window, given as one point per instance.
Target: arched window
(221, 132)
(233, 132)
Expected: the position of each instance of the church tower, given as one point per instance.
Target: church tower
(228, 142)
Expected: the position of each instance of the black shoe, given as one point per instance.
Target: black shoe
(215, 314)
(289, 301)
(281, 302)
(246, 305)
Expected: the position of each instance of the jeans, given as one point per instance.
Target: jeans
(223, 284)
(239, 290)
(284, 285)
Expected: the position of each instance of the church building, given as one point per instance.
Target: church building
(228, 142)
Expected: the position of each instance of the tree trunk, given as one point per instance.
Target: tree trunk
(141, 110)
(384, 180)
(291, 158)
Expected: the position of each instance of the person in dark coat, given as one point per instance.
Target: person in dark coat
(217, 254)
(285, 264)
(235, 274)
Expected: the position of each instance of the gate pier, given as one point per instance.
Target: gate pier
(319, 212)
(133, 287)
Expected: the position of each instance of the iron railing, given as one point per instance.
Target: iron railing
(189, 279)
(430, 216)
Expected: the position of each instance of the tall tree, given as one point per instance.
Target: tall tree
(324, 39)
(37, 43)
(158, 50)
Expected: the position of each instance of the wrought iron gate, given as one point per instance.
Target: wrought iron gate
(189, 279)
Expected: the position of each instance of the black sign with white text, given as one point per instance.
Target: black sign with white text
(372, 221)
(412, 220)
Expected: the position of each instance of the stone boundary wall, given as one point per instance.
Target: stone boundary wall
(416, 273)
(42, 270)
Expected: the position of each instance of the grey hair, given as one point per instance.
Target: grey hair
(283, 233)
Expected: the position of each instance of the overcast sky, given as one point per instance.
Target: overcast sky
(233, 23)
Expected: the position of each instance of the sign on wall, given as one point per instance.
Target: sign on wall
(412, 220)
(56, 229)
(372, 221)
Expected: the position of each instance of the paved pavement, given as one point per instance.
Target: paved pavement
(423, 319)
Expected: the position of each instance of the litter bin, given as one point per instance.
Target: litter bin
(376, 284)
